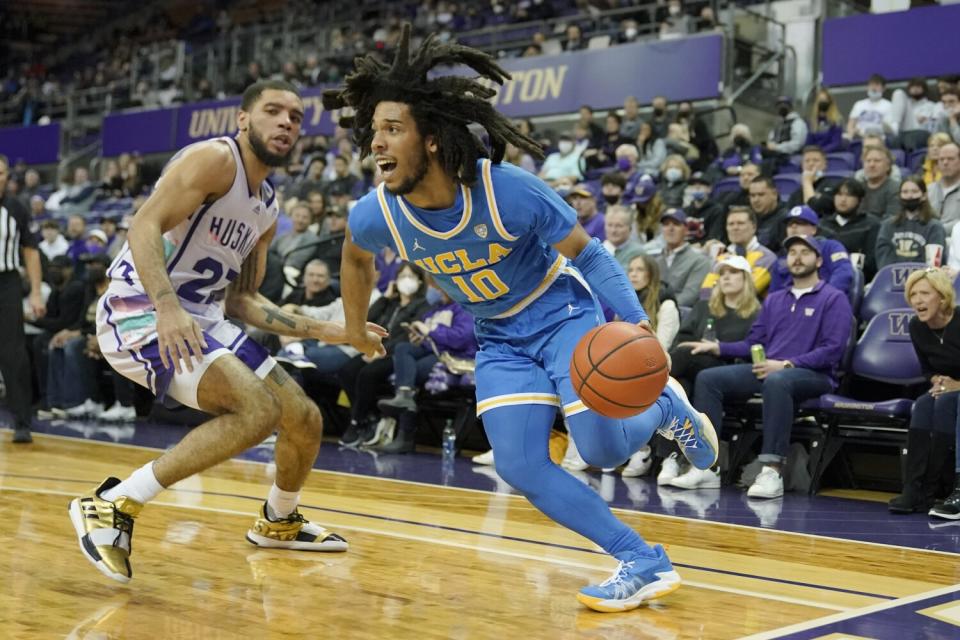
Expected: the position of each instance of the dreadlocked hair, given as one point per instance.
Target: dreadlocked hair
(442, 107)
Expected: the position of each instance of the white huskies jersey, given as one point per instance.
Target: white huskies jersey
(204, 254)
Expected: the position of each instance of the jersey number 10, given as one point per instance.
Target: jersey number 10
(483, 285)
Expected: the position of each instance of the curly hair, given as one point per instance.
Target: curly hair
(442, 106)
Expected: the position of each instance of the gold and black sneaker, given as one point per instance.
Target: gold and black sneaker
(105, 530)
(293, 532)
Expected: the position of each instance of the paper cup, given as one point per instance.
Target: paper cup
(934, 254)
(858, 259)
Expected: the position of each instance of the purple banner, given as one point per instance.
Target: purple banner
(140, 131)
(858, 46)
(34, 145)
(683, 69)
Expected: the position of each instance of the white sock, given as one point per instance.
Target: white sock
(142, 486)
(281, 503)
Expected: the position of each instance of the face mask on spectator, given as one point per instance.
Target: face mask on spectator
(673, 174)
(823, 105)
(630, 32)
(910, 204)
(434, 296)
(874, 94)
(565, 146)
(784, 111)
(741, 141)
(917, 96)
(624, 164)
(657, 111)
(407, 286)
(611, 199)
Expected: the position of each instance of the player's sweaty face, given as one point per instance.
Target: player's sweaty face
(397, 147)
(274, 124)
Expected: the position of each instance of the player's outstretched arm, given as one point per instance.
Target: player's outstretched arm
(201, 175)
(245, 304)
(356, 283)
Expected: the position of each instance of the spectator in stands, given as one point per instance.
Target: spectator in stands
(790, 134)
(931, 172)
(343, 181)
(331, 240)
(290, 245)
(677, 23)
(582, 199)
(313, 180)
(915, 114)
(574, 40)
(79, 195)
(38, 213)
(617, 227)
(742, 232)
(699, 133)
(872, 140)
(935, 333)
(403, 303)
(64, 310)
(741, 151)
(850, 226)
(804, 332)
(628, 33)
(947, 82)
(562, 165)
(944, 194)
(640, 194)
(816, 190)
(446, 328)
(76, 236)
(741, 198)
(903, 237)
(612, 186)
(659, 120)
(950, 120)
(97, 242)
(316, 290)
(519, 157)
(825, 123)
(53, 243)
(682, 267)
(674, 173)
(698, 205)
(630, 123)
(111, 182)
(678, 142)
(836, 268)
(733, 305)
(656, 297)
(30, 187)
(594, 132)
(603, 153)
(873, 114)
(882, 191)
(770, 212)
(652, 151)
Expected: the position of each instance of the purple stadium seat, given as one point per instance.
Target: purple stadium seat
(841, 160)
(789, 167)
(856, 148)
(787, 183)
(886, 290)
(899, 157)
(856, 292)
(839, 173)
(726, 184)
(915, 160)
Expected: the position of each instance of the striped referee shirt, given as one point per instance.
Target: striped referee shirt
(14, 233)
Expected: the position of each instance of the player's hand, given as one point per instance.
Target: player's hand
(179, 336)
(765, 368)
(37, 305)
(645, 324)
(702, 346)
(369, 343)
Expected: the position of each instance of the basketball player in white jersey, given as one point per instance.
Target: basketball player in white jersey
(197, 246)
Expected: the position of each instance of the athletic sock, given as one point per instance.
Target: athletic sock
(142, 486)
(280, 503)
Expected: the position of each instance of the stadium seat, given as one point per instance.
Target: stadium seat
(840, 161)
(787, 183)
(883, 354)
(598, 42)
(915, 160)
(899, 157)
(838, 173)
(886, 290)
(856, 292)
(725, 185)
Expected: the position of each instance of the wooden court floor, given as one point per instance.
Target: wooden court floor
(425, 562)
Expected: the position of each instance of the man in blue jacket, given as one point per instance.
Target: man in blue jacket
(836, 268)
(804, 331)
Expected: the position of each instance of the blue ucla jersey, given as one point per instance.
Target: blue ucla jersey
(491, 251)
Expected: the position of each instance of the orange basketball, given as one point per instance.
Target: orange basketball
(618, 369)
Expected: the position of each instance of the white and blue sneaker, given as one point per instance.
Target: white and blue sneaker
(692, 430)
(636, 580)
(293, 354)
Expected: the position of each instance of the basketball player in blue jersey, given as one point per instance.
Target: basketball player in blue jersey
(197, 245)
(505, 246)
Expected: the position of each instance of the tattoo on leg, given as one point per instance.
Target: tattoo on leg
(276, 314)
(278, 375)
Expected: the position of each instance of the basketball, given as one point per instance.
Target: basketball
(618, 369)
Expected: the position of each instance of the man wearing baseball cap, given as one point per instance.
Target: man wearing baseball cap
(804, 332)
(836, 267)
(582, 199)
(681, 266)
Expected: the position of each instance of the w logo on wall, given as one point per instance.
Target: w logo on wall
(900, 323)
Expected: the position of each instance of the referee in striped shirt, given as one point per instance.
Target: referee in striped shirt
(15, 238)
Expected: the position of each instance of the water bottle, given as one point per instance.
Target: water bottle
(449, 441)
(710, 333)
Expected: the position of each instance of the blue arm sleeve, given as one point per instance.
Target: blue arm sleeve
(609, 280)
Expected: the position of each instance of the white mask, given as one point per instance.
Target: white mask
(407, 285)
(565, 146)
(673, 174)
(630, 32)
(874, 94)
(674, 10)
